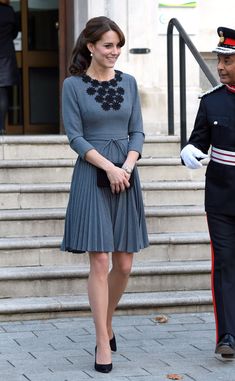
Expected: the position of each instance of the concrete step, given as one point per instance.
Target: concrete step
(77, 305)
(170, 276)
(168, 169)
(166, 219)
(37, 280)
(47, 222)
(37, 251)
(32, 196)
(60, 171)
(28, 196)
(68, 280)
(56, 146)
(36, 171)
(31, 222)
(161, 146)
(173, 193)
(35, 147)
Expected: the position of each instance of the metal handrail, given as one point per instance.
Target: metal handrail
(183, 40)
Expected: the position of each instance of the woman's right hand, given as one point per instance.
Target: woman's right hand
(119, 179)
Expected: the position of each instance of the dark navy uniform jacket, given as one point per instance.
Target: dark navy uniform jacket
(215, 126)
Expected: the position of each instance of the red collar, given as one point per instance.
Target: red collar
(231, 88)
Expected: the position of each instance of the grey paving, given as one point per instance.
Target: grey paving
(63, 349)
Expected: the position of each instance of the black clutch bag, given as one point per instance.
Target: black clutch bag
(102, 178)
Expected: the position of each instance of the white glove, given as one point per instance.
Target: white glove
(190, 154)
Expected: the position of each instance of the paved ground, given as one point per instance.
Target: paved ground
(63, 350)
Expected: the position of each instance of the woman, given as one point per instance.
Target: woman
(8, 66)
(102, 118)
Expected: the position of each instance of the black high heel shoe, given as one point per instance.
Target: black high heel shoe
(113, 344)
(103, 368)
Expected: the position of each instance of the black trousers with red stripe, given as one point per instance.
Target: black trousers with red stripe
(222, 235)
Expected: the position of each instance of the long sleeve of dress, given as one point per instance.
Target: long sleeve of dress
(135, 128)
(73, 121)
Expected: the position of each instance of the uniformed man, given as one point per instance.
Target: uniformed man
(215, 127)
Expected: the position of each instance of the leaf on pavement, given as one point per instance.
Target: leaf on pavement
(161, 318)
(174, 376)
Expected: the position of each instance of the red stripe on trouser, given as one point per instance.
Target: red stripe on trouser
(213, 290)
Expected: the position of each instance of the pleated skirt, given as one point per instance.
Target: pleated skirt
(97, 220)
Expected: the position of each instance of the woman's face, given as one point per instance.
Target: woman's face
(226, 69)
(106, 51)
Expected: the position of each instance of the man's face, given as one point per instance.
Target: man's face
(226, 69)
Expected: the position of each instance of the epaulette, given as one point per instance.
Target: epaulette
(211, 90)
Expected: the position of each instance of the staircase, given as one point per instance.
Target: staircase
(37, 280)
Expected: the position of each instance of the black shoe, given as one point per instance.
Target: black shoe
(113, 344)
(227, 356)
(226, 345)
(103, 368)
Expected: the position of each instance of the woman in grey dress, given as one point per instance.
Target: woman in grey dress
(105, 213)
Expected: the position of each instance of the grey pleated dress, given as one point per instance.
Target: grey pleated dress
(105, 116)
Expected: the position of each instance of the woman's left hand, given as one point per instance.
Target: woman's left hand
(119, 179)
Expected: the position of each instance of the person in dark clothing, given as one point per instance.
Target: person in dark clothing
(215, 127)
(8, 65)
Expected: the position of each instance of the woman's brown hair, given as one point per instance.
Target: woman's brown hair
(95, 28)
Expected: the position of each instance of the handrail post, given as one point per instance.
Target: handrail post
(183, 40)
(170, 80)
(182, 75)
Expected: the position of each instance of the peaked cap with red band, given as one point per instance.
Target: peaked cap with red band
(226, 43)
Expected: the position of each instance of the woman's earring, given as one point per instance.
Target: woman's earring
(91, 54)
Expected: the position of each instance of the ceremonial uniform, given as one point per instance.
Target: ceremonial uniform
(214, 129)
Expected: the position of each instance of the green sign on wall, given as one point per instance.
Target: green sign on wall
(178, 4)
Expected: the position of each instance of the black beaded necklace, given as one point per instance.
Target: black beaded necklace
(107, 93)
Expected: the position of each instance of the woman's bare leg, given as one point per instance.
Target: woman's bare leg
(98, 298)
(117, 281)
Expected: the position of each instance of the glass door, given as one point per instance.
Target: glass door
(34, 103)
